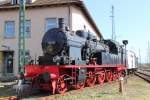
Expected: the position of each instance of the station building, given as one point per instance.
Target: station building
(41, 15)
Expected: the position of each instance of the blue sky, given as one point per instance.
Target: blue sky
(132, 21)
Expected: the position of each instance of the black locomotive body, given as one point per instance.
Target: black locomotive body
(63, 47)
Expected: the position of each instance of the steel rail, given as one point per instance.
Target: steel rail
(144, 75)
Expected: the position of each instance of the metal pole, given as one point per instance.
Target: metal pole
(140, 58)
(148, 54)
(113, 24)
(125, 56)
(21, 37)
(125, 42)
(126, 72)
(121, 87)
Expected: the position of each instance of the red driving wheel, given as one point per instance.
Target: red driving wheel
(61, 85)
(101, 78)
(90, 81)
(109, 76)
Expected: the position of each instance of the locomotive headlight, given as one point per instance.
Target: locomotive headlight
(49, 48)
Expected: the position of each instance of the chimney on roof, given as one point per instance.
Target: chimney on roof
(61, 24)
(14, 2)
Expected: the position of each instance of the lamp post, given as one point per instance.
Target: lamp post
(125, 42)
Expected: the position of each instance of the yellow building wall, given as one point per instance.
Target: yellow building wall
(38, 19)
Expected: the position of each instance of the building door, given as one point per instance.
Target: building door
(8, 62)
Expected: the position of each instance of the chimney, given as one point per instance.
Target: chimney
(14, 2)
(61, 24)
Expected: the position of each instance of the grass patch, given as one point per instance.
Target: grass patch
(6, 91)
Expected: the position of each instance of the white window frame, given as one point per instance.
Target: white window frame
(28, 34)
(6, 30)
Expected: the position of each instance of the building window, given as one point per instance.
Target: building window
(9, 29)
(28, 28)
(51, 23)
(14, 2)
(28, 1)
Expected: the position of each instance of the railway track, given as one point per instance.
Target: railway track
(145, 74)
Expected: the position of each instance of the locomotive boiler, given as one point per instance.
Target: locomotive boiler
(63, 47)
(74, 59)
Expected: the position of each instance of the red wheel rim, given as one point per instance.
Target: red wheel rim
(115, 76)
(109, 76)
(61, 86)
(101, 78)
(91, 79)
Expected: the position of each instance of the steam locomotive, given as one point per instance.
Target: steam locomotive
(74, 60)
